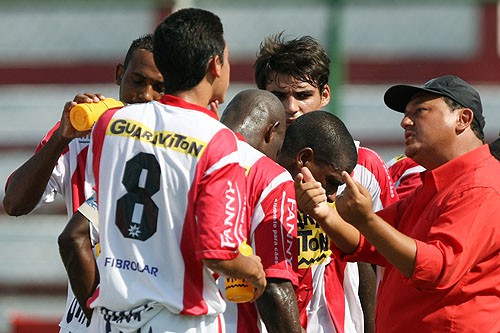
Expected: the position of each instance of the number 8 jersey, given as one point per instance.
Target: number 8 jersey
(170, 193)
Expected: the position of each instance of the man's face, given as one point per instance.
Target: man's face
(298, 97)
(324, 173)
(429, 126)
(141, 81)
(329, 178)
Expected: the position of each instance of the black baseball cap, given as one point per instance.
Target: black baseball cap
(453, 87)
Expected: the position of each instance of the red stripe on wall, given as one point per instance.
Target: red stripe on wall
(482, 67)
(73, 73)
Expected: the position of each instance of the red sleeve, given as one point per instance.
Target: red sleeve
(463, 236)
(367, 252)
(275, 238)
(220, 199)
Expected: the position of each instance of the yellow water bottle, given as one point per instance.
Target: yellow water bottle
(83, 116)
(239, 290)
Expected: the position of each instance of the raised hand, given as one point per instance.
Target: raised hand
(67, 131)
(310, 195)
(354, 205)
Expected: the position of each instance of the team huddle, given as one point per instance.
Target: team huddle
(162, 192)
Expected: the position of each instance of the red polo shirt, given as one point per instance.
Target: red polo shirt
(455, 219)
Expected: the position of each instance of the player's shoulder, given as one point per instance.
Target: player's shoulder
(267, 170)
(401, 160)
(370, 159)
(402, 165)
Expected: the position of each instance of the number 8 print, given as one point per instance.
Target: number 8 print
(136, 212)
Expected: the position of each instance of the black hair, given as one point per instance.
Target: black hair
(302, 58)
(476, 128)
(326, 135)
(183, 44)
(142, 43)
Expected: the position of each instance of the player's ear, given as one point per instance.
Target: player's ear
(271, 131)
(325, 95)
(119, 74)
(215, 66)
(304, 157)
(465, 117)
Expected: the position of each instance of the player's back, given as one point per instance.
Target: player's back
(157, 168)
(271, 214)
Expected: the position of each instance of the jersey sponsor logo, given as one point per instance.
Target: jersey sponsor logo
(290, 221)
(92, 202)
(133, 319)
(75, 315)
(175, 141)
(314, 244)
(226, 237)
(130, 265)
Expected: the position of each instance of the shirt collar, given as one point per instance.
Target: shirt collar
(445, 174)
(178, 102)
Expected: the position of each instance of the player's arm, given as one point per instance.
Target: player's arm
(278, 307)
(27, 184)
(241, 267)
(311, 199)
(76, 253)
(367, 294)
(354, 205)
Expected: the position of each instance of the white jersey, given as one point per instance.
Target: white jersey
(68, 176)
(68, 179)
(328, 288)
(170, 192)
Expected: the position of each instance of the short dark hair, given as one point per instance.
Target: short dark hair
(326, 135)
(302, 58)
(184, 43)
(142, 43)
(475, 127)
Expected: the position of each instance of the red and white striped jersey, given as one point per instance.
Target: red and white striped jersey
(405, 174)
(68, 179)
(170, 193)
(328, 288)
(272, 209)
(68, 176)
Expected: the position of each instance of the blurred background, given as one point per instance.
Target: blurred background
(52, 50)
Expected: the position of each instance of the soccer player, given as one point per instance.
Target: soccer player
(325, 161)
(297, 72)
(171, 192)
(58, 165)
(258, 119)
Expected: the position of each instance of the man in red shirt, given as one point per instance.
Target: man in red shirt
(440, 245)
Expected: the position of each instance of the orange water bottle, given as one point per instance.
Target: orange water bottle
(84, 115)
(239, 290)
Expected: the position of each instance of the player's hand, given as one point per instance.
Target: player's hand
(67, 131)
(354, 205)
(258, 278)
(310, 195)
(214, 106)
